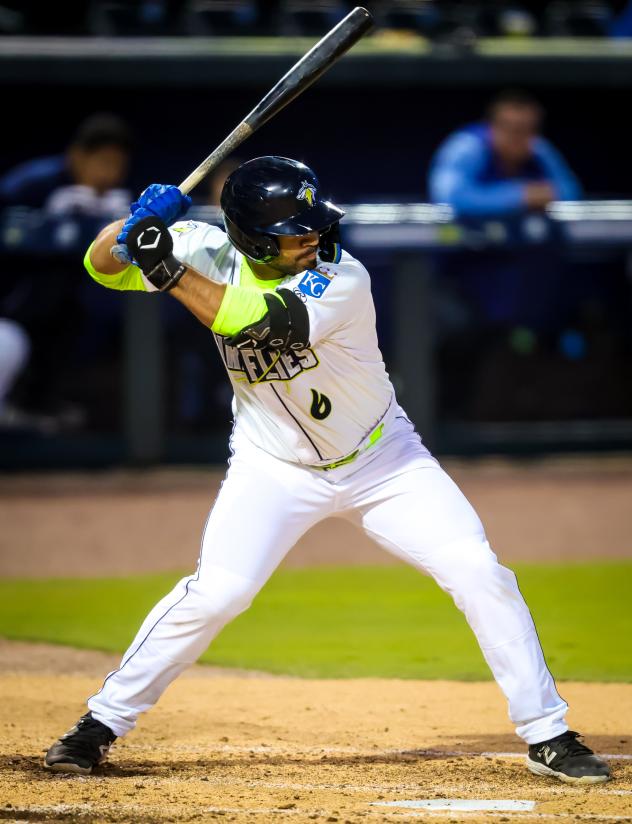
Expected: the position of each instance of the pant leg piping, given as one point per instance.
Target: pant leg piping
(164, 615)
(510, 640)
(186, 590)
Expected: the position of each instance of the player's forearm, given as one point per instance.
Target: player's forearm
(201, 296)
(100, 256)
(227, 309)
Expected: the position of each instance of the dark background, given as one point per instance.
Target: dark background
(364, 143)
(369, 129)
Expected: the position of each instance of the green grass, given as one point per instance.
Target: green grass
(349, 622)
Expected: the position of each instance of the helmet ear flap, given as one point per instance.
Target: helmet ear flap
(329, 245)
(265, 248)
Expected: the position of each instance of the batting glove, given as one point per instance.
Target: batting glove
(158, 200)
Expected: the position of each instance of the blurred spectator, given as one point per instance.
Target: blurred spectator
(621, 26)
(579, 18)
(42, 296)
(133, 18)
(14, 352)
(85, 179)
(502, 166)
(504, 303)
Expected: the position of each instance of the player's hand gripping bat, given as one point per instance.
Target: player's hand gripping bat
(302, 74)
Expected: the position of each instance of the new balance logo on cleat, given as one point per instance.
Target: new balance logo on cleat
(567, 759)
(547, 753)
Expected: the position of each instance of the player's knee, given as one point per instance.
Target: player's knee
(487, 593)
(220, 596)
(470, 570)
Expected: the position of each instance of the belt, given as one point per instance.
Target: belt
(372, 439)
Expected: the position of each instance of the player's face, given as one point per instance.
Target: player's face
(101, 169)
(513, 129)
(296, 253)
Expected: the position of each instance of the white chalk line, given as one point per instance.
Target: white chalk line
(90, 808)
(462, 804)
(505, 814)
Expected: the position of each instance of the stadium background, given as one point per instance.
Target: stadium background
(99, 517)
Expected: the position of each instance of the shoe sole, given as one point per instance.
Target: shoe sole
(68, 767)
(540, 769)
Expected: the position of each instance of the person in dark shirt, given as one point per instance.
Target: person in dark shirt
(86, 179)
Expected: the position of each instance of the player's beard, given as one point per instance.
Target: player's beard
(308, 261)
(300, 264)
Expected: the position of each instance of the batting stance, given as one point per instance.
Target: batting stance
(317, 432)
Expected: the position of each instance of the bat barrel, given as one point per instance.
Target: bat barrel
(310, 67)
(302, 74)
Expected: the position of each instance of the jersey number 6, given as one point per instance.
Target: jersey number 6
(321, 406)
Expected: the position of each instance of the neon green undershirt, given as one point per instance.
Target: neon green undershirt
(128, 280)
(248, 278)
(240, 306)
(244, 304)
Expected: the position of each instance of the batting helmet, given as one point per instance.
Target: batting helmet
(271, 196)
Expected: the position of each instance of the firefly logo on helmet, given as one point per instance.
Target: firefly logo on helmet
(307, 192)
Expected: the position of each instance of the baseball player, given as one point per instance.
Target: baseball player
(317, 432)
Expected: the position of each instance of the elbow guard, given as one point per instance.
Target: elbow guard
(285, 326)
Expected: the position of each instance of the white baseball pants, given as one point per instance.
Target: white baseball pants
(399, 494)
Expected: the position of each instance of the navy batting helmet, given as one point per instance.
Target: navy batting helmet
(271, 196)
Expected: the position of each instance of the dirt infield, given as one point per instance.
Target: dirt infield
(246, 747)
(119, 523)
(261, 749)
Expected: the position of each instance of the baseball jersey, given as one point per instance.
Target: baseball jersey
(313, 406)
(316, 405)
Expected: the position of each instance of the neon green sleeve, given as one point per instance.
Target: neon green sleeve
(240, 306)
(128, 280)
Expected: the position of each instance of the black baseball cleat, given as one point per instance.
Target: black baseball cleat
(566, 758)
(83, 747)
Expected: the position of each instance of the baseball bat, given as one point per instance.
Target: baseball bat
(302, 74)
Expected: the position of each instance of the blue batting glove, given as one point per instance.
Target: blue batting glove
(164, 201)
(158, 200)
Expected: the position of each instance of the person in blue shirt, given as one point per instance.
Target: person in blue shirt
(501, 166)
(501, 304)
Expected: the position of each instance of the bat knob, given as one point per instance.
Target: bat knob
(120, 252)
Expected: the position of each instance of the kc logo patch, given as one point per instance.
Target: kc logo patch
(314, 283)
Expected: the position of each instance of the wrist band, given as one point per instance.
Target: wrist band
(166, 274)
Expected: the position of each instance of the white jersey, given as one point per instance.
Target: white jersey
(317, 405)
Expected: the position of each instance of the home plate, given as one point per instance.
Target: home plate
(463, 804)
